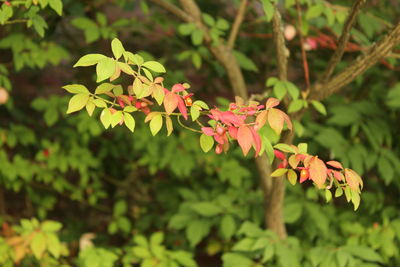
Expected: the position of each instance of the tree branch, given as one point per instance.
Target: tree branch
(303, 50)
(279, 40)
(182, 15)
(344, 38)
(236, 25)
(378, 51)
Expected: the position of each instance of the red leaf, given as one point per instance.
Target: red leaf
(256, 141)
(233, 131)
(338, 175)
(335, 164)
(177, 88)
(275, 120)
(318, 171)
(245, 139)
(208, 131)
(170, 102)
(182, 107)
(271, 102)
(279, 154)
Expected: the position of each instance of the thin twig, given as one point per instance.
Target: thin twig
(186, 127)
(303, 50)
(236, 25)
(378, 51)
(173, 9)
(279, 40)
(344, 38)
(15, 21)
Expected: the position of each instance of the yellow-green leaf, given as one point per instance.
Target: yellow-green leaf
(117, 48)
(129, 121)
(279, 172)
(156, 124)
(206, 142)
(38, 245)
(89, 60)
(77, 102)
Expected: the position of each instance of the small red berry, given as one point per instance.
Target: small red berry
(220, 130)
(188, 102)
(7, 3)
(46, 152)
(304, 174)
(138, 104)
(218, 149)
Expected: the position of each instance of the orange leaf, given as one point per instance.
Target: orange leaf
(276, 120)
(245, 139)
(261, 119)
(318, 171)
(353, 179)
(170, 102)
(271, 102)
(335, 164)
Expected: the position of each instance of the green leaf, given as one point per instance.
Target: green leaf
(292, 211)
(295, 105)
(338, 192)
(210, 21)
(194, 112)
(156, 238)
(76, 89)
(57, 6)
(364, 253)
(197, 37)
(105, 69)
(117, 48)
(104, 88)
(201, 104)
(285, 148)
(105, 117)
(207, 209)
(280, 90)
(38, 245)
(279, 172)
(271, 81)
(196, 231)
(319, 107)
(292, 177)
(77, 102)
(314, 11)
(355, 198)
(236, 260)
(129, 121)
(227, 226)
(206, 142)
(53, 245)
(141, 252)
(89, 60)
(328, 195)
(222, 24)
(186, 28)
(51, 226)
(156, 124)
(100, 103)
(268, 9)
(245, 62)
(294, 92)
(116, 118)
(154, 66)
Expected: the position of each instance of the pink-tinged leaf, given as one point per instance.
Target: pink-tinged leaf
(287, 120)
(182, 107)
(293, 161)
(233, 131)
(317, 171)
(245, 139)
(177, 88)
(338, 175)
(283, 164)
(256, 140)
(219, 138)
(353, 179)
(307, 160)
(275, 120)
(208, 131)
(158, 80)
(335, 164)
(279, 154)
(261, 119)
(170, 102)
(271, 102)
